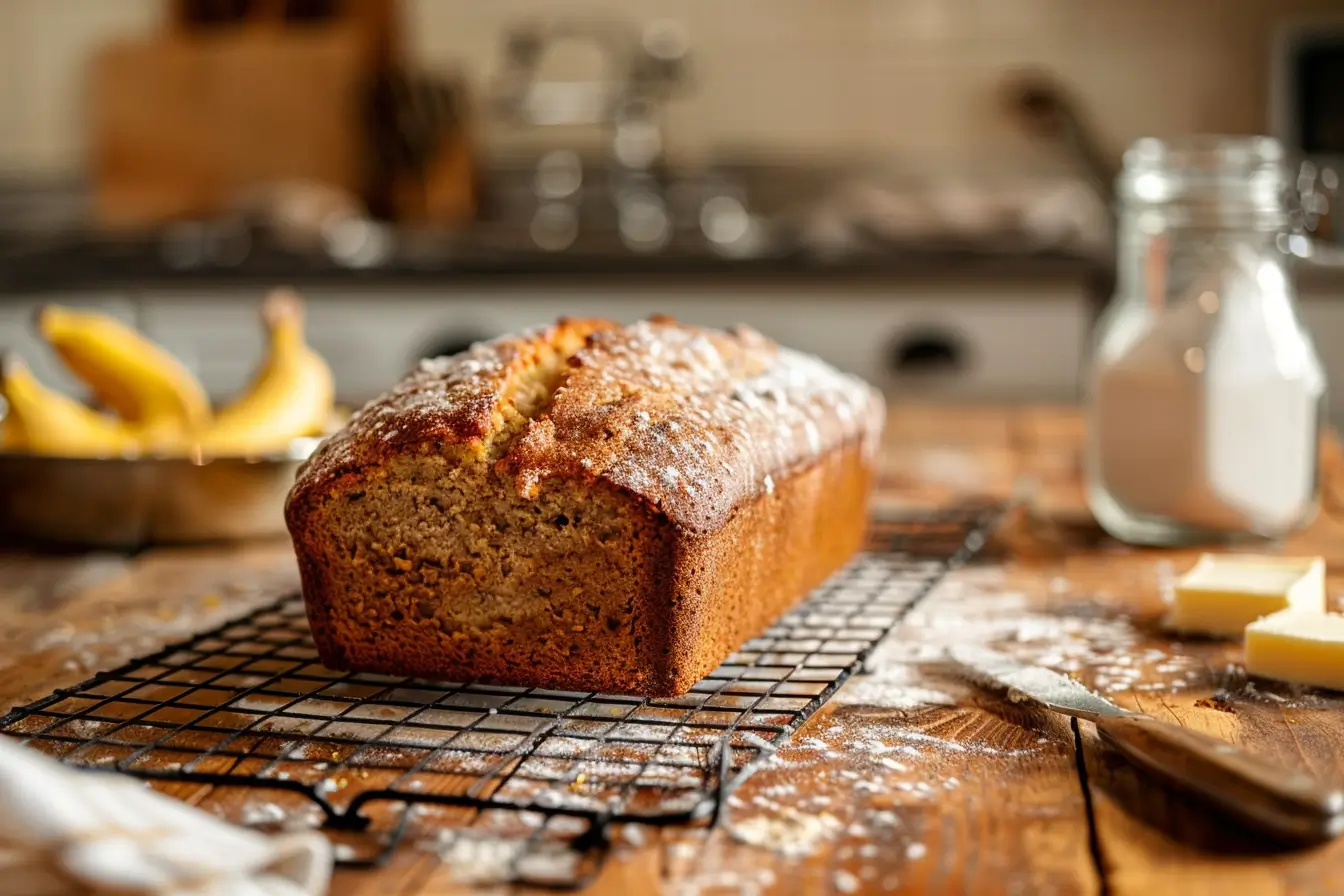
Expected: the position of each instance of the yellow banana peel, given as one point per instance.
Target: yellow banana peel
(12, 437)
(130, 374)
(291, 395)
(56, 424)
(160, 407)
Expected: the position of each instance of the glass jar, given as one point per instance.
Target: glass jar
(1206, 396)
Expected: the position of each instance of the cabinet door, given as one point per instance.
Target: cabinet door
(979, 341)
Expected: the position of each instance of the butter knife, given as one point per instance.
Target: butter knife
(1287, 804)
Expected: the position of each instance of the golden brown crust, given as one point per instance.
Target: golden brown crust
(454, 400)
(692, 420)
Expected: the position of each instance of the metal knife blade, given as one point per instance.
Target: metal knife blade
(1044, 686)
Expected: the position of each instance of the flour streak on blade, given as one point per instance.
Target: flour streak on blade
(1057, 691)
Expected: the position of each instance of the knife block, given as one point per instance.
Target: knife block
(423, 151)
(185, 121)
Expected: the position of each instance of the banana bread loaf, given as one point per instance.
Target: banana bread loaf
(589, 507)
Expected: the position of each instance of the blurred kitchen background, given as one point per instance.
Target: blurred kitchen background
(917, 190)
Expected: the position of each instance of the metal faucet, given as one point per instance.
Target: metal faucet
(645, 67)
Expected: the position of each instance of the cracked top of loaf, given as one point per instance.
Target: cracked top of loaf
(692, 420)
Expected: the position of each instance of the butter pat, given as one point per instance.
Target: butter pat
(1304, 648)
(1223, 593)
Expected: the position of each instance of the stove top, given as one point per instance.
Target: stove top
(561, 215)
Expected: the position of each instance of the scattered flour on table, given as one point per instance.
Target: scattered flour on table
(475, 857)
(845, 882)
(261, 812)
(821, 789)
(110, 638)
(709, 881)
(787, 831)
(973, 607)
(892, 680)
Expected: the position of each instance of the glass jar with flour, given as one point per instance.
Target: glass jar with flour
(1206, 394)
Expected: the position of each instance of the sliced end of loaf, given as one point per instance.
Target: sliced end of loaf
(439, 569)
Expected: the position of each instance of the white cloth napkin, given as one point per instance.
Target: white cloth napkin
(70, 832)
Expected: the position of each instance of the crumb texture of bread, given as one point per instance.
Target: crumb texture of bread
(589, 507)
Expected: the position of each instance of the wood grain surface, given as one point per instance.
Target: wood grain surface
(910, 780)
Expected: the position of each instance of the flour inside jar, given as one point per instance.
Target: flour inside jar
(1206, 393)
(1203, 422)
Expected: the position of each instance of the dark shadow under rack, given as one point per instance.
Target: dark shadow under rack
(248, 705)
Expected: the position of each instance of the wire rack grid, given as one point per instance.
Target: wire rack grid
(249, 705)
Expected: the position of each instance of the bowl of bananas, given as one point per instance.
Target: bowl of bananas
(148, 460)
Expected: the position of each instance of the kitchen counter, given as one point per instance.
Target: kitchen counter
(814, 219)
(87, 265)
(906, 780)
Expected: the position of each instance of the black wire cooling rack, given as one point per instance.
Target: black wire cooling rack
(248, 705)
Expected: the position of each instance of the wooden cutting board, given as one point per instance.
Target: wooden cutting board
(182, 123)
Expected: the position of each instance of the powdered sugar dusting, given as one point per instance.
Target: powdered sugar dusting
(694, 420)
(465, 385)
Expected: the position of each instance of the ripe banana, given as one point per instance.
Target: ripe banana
(11, 431)
(291, 395)
(52, 423)
(138, 379)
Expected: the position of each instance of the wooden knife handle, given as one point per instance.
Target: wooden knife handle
(1287, 804)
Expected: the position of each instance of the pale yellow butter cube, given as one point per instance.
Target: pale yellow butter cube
(1223, 593)
(1303, 648)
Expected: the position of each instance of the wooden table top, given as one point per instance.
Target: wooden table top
(907, 781)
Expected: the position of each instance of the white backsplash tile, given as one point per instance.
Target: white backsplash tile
(53, 42)
(915, 80)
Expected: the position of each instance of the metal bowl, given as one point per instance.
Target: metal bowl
(128, 503)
